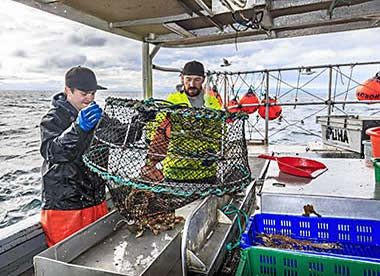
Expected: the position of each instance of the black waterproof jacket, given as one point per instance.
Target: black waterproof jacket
(67, 184)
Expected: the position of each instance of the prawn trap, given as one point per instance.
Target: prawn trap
(338, 237)
(175, 154)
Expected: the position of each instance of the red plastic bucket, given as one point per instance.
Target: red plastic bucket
(374, 133)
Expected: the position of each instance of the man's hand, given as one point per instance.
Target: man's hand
(89, 116)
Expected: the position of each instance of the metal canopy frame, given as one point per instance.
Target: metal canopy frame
(192, 23)
(187, 23)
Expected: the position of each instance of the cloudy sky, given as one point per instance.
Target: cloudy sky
(37, 48)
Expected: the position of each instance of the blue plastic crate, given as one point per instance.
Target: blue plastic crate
(358, 239)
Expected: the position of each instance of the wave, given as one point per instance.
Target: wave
(304, 133)
(11, 132)
(18, 106)
(12, 175)
(8, 157)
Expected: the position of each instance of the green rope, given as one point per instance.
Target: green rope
(231, 209)
(160, 189)
(159, 106)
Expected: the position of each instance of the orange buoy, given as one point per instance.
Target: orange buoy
(233, 102)
(214, 92)
(369, 90)
(249, 98)
(273, 112)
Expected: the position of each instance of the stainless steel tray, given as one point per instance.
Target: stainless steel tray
(100, 250)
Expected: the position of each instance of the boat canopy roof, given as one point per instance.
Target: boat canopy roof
(187, 23)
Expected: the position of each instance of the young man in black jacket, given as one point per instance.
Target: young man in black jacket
(72, 195)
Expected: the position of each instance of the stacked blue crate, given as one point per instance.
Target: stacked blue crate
(356, 238)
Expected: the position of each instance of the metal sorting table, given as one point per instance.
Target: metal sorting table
(346, 189)
(100, 250)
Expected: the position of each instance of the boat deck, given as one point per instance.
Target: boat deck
(118, 248)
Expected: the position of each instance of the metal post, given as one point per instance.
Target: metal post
(329, 92)
(208, 79)
(225, 92)
(154, 52)
(266, 137)
(147, 71)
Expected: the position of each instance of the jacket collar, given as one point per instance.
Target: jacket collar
(60, 100)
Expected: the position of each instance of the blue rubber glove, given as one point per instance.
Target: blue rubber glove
(89, 116)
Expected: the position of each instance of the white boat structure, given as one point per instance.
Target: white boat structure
(199, 246)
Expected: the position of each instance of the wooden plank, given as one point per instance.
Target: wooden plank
(178, 29)
(155, 20)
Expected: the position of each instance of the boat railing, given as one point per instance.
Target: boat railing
(303, 92)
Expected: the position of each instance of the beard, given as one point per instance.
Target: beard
(192, 91)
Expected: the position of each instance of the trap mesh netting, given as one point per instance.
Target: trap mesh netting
(157, 156)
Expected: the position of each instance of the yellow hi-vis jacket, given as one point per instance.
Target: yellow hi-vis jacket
(191, 139)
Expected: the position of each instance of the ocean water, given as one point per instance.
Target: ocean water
(20, 160)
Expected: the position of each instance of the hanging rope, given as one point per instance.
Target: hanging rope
(335, 86)
(295, 124)
(261, 86)
(252, 128)
(298, 83)
(304, 89)
(300, 88)
(243, 82)
(230, 210)
(278, 85)
(234, 94)
(348, 86)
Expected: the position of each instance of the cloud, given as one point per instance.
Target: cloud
(20, 53)
(93, 41)
(97, 64)
(63, 62)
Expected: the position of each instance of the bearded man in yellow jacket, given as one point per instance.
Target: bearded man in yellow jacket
(189, 144)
